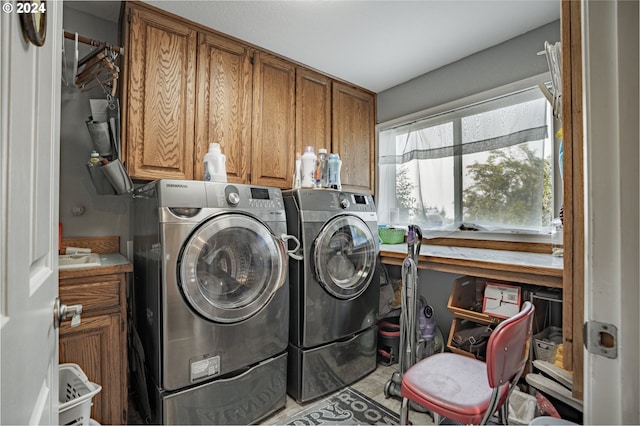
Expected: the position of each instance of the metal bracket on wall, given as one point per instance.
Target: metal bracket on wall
(601, 338)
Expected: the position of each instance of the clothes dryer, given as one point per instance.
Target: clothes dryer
(211, 300)
(334, 290)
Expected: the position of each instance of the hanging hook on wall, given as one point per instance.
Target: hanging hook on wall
(97, 68)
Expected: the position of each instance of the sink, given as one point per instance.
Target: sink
(79, 260)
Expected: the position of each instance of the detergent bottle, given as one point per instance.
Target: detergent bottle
(215, 168)
(308, 168)
(296, 172)
(322, 168)
(334, 172)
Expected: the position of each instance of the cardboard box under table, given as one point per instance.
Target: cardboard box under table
(501, 300)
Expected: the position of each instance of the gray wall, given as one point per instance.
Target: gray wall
(104, 215)
(435, 287)
(505, 63)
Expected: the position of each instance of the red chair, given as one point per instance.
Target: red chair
(465, 389)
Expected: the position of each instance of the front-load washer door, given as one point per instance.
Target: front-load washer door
(230, 267)
(344, 255)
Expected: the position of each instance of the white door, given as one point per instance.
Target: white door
(612, 291)
(29, 167)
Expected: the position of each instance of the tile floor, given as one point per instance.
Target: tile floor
(372, 386)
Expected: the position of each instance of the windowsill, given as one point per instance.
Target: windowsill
(513, 236)
(516, 241)
(508, 265)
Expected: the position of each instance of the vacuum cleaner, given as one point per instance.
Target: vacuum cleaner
(417, 325)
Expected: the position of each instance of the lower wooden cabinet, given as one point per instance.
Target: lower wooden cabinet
(99, 344)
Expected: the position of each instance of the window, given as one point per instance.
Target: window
(486, 166)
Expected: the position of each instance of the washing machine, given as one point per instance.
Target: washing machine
(210, 301)
(334, 290)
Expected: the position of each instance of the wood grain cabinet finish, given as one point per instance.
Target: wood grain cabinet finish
(99, 344)
(188, 86)
(223, 111)
(273, 138)
(160, 96)
(313, 110)
(353, 136)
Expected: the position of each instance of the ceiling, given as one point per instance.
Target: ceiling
(374, 44)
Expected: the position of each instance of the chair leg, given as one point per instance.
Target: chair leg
(404, 412)
(504, 413)
(503, 416)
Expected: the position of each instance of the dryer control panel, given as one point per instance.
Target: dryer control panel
(356, 202)
(333, 200)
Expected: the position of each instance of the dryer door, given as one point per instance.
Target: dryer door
(230, 267)
(345, 254)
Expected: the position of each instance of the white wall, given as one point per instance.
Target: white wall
(104, 215)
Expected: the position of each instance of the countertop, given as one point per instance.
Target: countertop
(533, 268)
(484, 255)
(112, 263)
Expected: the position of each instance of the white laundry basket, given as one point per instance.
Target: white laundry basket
(522, 408)
(75, 392)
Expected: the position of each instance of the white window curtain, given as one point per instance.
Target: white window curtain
(432, 155)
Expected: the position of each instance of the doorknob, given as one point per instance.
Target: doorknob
(63, 312)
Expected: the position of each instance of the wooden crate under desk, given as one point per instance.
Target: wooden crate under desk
(457, 325)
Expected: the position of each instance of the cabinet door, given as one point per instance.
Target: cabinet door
(313, 110)
(273, 122)
(160, 97)
(223, 111)
(353, 136)
(95, 345)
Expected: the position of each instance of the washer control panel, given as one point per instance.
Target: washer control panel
(264, 198)
(231, 195)
(242, 196)
(344, 202)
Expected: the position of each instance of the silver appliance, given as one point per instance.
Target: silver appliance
(334, 290)
(211, 300)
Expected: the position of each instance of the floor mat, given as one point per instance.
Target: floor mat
(346, 407)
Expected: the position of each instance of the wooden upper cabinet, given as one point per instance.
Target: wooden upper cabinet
(313, 110)
(223, 108)
(187, 86)
(353, 136)
(273, 123)
(160, 96)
